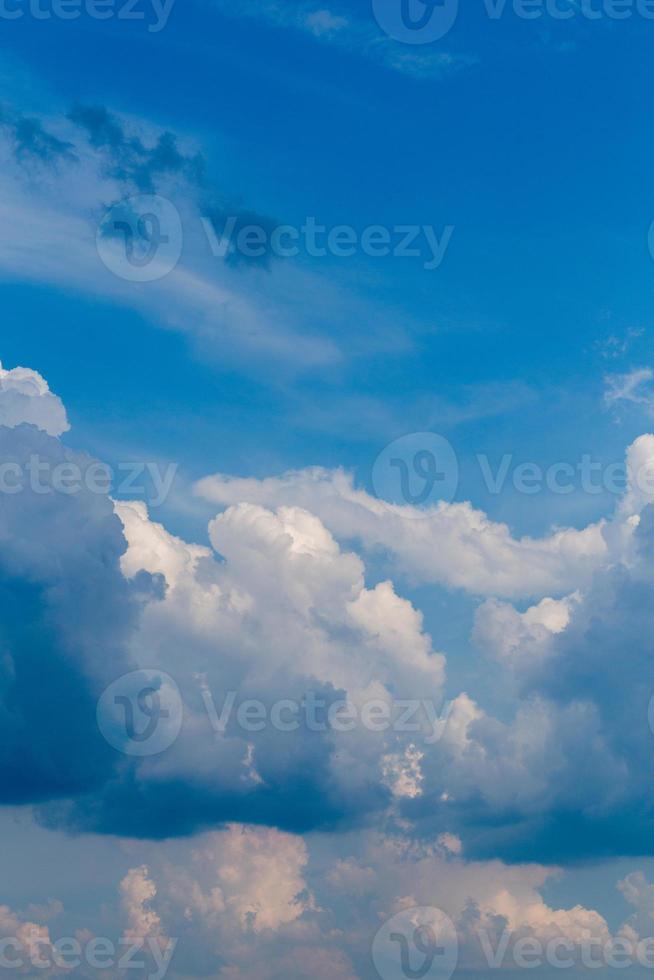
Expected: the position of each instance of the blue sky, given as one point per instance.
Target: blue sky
(278, 400)
(533, 147)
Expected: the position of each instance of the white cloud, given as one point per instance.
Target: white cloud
(250, 902)
(32, 944)
(520, 640)
(290, 602)
(451, 843)
(26, 397)
(630, 387)
(259, 873)
(278, 606)
(322, 22)
(50, 211)
(639, 892)
(137, 892)
(356, 35)
(285, 578)
(450, 544)
(402, 773)
(202, 297)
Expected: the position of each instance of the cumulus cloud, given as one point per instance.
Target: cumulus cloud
(249, 902)
(277, 610)
(292, 611)
(259, 879)
(450, 544)
(569, 757)
(252, 902)
(518, 640)
(402, 773)
(26, 397)
(137, 892)
(639, 893)
(27, 945)
(67, 615)
(258, 843)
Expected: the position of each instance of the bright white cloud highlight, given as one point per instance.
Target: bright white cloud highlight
(26, 397)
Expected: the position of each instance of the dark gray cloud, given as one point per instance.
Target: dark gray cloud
(32, 140)
(68, 624)
(67, 614)
(128, 159)
(143, 168)
(159, 167)
(569, 776)
(233, 220)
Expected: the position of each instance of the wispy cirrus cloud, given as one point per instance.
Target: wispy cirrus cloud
(62, 174)
(342, 29)
(633, 386)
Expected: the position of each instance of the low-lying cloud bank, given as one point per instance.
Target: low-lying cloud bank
(253, 902)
